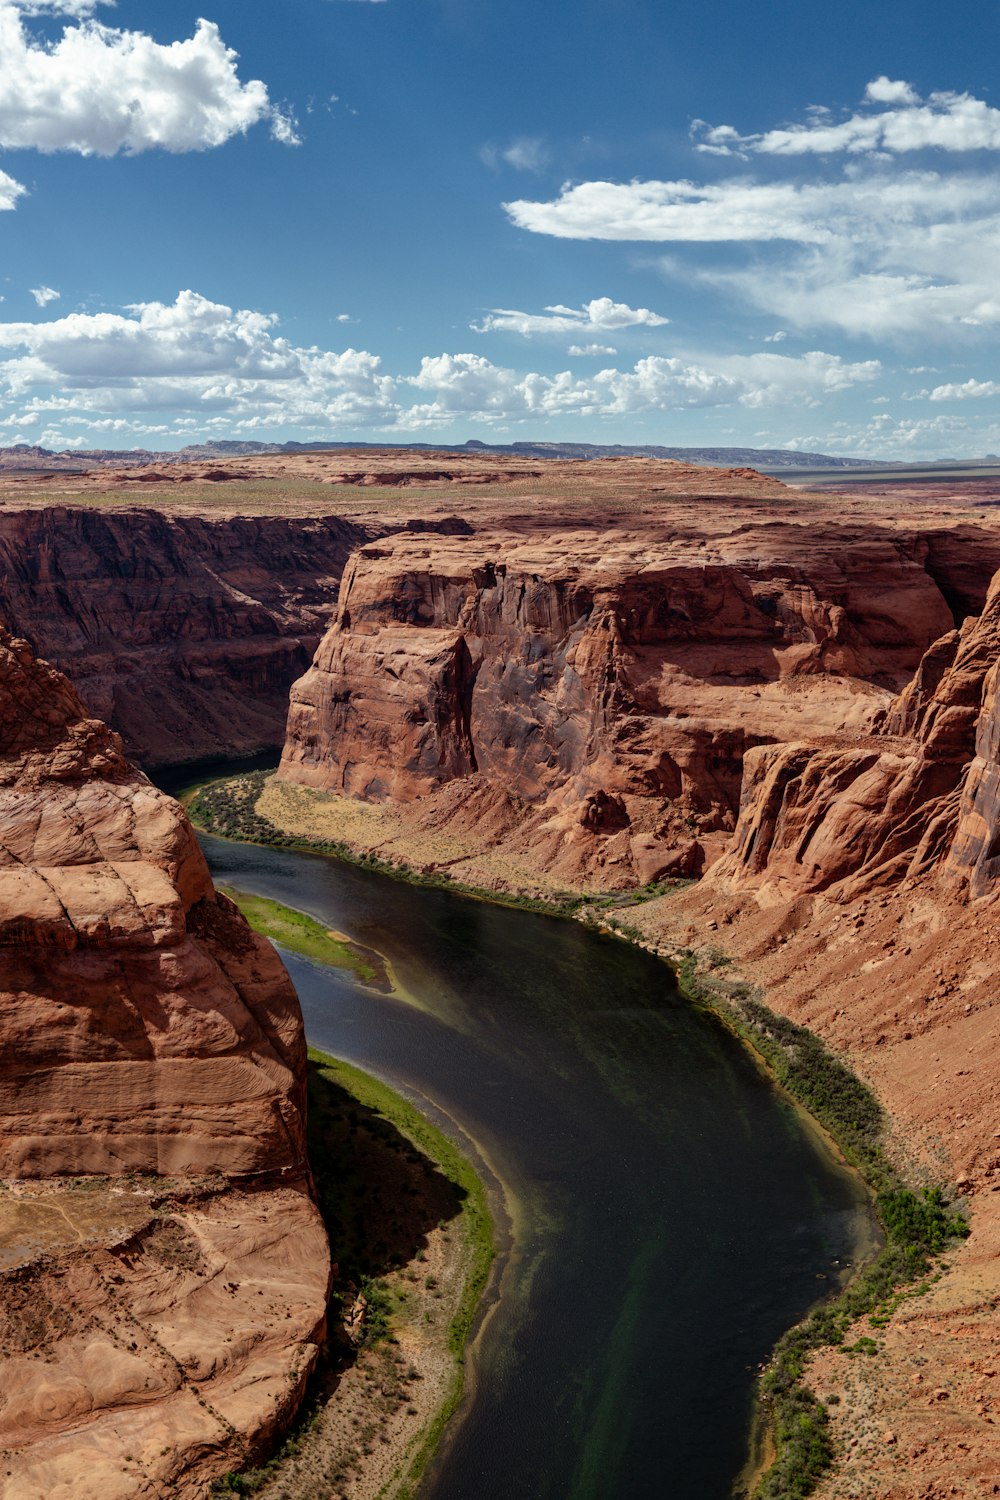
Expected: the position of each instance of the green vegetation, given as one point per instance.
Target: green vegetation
(228, 809)
(918, 1226)
(393, 1118)
(294, 930)
(389, 1114)
(385, 1178)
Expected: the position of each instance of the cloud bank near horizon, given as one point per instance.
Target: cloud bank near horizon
(195, 360)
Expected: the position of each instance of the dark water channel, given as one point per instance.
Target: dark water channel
(671, 1213)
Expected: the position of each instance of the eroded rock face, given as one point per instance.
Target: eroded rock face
(144, 1029)
(183, 633)
(610, 685)
(860, 893)
(920, 794)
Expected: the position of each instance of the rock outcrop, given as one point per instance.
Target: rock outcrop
(605, 691)
(860, 892)
(921, 796)
(152, 1068)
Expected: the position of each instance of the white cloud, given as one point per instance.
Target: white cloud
(525, 154)
(10, 191)
(99, 90)
(883, 90)
(969, 390)
(60, 7)
(778, 337)
(468, 383)
(886, 437)
(44, 295)
(580, 351)
(601, 313)
(200, 360)
(743, 209)
(192, 336)
(874, 252)
(945, 121)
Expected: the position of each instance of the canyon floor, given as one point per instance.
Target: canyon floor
(565, 677)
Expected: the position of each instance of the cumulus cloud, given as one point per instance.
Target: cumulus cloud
(44, 295)
(471, 386)
(883, 90)
(601, 313)
(945, 121)
(884, 436)
(581, 351)
(190, 337)
(99, 90)
(10, 191)
(202, 361)
(968, 390)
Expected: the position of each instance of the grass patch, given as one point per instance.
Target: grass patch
(397, 1114)
(302, 934)
(228, 809)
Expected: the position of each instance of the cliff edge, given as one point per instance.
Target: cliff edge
(164, 1266)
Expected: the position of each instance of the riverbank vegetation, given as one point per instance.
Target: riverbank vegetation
(918, 1225)
(228, 809)
(412, 1239)
(302, 934)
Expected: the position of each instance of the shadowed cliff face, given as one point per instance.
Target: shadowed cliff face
(144, 1029)
(183, 633)
(608, 686)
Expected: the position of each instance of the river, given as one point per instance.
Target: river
(670, 1213)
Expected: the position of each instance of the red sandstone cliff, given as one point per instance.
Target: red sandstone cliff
(164, 1269)
(599, 695)
(921, 794)
(814, 702)
(860, 891)
(183, 633)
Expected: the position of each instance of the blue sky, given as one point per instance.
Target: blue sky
(697, 223)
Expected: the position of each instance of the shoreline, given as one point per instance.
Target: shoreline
(787, 1412)
(403, 1324)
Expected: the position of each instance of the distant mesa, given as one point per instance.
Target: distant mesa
(31, 457)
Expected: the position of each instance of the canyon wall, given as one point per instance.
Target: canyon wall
(183, 632)
(921, 795)
(803, 707)
(164, 1268)
(594, 696)
(859, 891)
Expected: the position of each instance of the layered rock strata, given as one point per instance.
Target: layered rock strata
(860, 891)
(599, 696)
(165, 1266)
(816, 710)
(183, 633)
